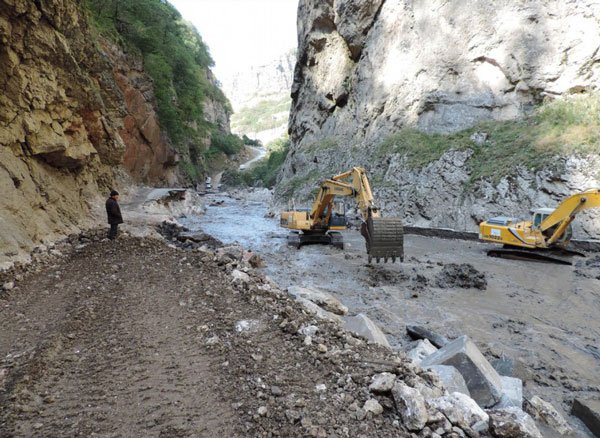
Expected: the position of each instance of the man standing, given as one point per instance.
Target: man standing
(113, 211)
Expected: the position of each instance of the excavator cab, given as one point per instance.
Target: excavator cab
(540, 215)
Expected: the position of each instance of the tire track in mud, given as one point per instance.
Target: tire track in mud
(122, 355)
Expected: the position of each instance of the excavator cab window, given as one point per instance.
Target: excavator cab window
(538, 218)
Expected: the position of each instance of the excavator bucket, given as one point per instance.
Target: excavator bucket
(384, 238)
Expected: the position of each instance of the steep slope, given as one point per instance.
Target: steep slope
(261, 98)
(75, 113)
(440, 100)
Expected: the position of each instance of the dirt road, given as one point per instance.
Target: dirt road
(135, 338)
(543, 317)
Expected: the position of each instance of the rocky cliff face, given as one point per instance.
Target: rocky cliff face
(74, 111)
(365, 70)
(271, 81)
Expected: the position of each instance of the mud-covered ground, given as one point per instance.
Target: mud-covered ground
(544, 317)
(137, 338)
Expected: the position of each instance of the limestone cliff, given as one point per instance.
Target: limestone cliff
(368, 70)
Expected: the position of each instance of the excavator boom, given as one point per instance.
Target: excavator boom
(383, 236)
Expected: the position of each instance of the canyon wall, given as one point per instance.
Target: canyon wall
(368, 70)
(76, 115)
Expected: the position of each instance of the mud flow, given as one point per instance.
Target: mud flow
(543, 317)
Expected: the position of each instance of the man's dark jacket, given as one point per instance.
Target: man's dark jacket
(113, 211)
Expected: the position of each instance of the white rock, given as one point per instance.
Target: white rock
(363, 326)
(423, 349)
(373, 406)
(320, 298)
(262, 411)
(313, 309)
(308, 330)
(458, 407)
(247, 325)
(9, 285)
(240, 277)
(320, 387)
(381, 383)
(411, 406)
(545, 412)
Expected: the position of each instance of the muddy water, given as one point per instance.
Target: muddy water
(545, 317)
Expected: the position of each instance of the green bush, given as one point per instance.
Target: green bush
(174, 56)
(266, 171)
(557, 128)
(229, 144)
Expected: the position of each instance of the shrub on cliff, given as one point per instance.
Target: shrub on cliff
(175, 57)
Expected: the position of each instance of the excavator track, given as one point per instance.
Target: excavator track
(558, 256)
(384, 239)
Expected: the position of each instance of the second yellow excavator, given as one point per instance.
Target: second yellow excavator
(321, 224)
(545, 236)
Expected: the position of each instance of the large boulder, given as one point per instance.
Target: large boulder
(319, 297)
(362, 325)
(484, 383)
(543, 411)
(452, 380)
(588, 411)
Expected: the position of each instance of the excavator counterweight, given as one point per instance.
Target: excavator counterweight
(384, 237)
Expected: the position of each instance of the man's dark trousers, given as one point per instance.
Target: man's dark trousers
(114, 228)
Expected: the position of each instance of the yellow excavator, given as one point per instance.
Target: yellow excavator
(321, 224)
(545, 236)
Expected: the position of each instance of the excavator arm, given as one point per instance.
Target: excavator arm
(555, 225)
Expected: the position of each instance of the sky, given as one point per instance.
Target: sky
(242, 33)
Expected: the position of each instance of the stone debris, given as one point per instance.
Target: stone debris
(588, 411)
(543, 411)
(382, 383)
(484, 383)
(512, 393)
(452, 380)
(421, 351)
(9, 285)
(318, 311)
(321, 298)
(512, 423)
(410, 405)
(418, 332)
(363, 326)
(461, 409)
(308, 330)
(373, 406)
(247, 326)
(464, 276)
(240, 277)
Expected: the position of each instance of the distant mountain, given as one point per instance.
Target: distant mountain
(271, 81)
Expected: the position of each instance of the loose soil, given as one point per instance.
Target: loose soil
(136, 338)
